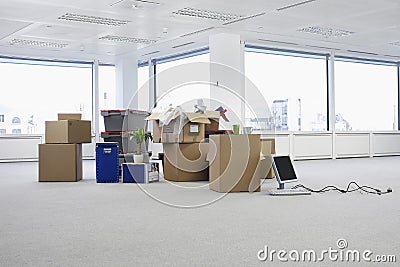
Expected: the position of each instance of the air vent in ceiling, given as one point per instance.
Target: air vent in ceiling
(185, 44)
(93, 19)
(206, 14)
(25, 42)
(151, 53)
(326, 32)
(277, 42)
(295, 5)
(396, 43)
(362, 52)
(123, 39)
(244, 18)
(196, 32)
(322, 47)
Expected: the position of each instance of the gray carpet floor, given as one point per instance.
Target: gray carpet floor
(89, 224)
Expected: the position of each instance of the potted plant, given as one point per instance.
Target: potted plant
(140, 136)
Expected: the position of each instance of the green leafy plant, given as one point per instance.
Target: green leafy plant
(140, 136)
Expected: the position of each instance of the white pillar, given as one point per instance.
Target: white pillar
(227, 49)
(331, 107)
(152, 89)
(95, 103)
(126, 81)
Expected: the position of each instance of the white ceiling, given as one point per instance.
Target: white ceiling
(375, 26)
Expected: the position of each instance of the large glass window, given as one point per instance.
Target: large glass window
(366, 96)
(185, 95)
(295, 88)
(107, 91)
(143, 87)
(35, 91)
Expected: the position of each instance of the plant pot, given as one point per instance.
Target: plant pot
(138, 158)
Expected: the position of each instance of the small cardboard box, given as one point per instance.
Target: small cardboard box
(154, 118)
(234, 160)
(68, 132)
(186, 162)
(192, 129)
(60, 162)
(69, 116)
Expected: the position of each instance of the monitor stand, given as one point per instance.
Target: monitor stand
(281, 191)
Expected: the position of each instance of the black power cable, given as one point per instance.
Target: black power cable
(364, 188)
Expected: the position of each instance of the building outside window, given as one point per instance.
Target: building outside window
(1, 118)
(16, 131)
(3, 131)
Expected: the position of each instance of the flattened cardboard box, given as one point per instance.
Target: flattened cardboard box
(186, 162)
(69, 116)
(60, 162)
(234, 160)
(68, 132)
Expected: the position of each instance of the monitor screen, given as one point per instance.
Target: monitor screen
(285, 169)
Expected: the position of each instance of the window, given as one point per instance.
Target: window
(294, 87)
(107, 90)
(35, 91)
(143, 87)
(185, 96)
(3, 131)
(366, 96)
(16, 131)
(1, 118)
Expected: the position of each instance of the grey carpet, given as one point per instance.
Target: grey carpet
(89, 224)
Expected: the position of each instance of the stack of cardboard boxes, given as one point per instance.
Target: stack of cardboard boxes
(183, 137)
(60, 158)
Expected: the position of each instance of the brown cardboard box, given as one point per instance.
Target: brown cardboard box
(185, 162)
(267, 149)
(60, 162)
(192, 130)
(213, 116)
(233, 162)
(68, 132)
(69, 116)
(154, 118)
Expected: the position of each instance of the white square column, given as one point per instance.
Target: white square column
(126, 81)
(227, 81)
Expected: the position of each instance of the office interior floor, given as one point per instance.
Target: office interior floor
(89, 224)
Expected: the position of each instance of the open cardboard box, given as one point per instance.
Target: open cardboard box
(189, 130)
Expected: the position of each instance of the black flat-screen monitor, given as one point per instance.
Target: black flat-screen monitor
(284, 170)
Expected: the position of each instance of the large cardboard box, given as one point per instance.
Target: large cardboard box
(68, 132)
(60, 162)
(191, 129)
(186, 162)
(233, 162)
(69, 116)
(267, 149)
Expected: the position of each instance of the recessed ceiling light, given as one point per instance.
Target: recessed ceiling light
(326, 32)
(25, 42)
(206, 14)
(93, 19)
(123, 39)
(396, 43)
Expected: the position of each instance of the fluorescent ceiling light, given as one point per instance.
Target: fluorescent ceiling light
(93, 19)
(25, 42)
(396, 43)
(326, 32)
(206, 14)
(123, 39)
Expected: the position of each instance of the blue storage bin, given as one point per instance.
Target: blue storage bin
(107, 162)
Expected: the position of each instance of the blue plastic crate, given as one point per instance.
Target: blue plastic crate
(107, 162)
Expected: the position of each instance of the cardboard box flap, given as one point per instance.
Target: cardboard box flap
(212, 114)
(197, 117)
(153, 116)
(69, 116)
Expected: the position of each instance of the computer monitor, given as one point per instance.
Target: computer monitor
(284, 170)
